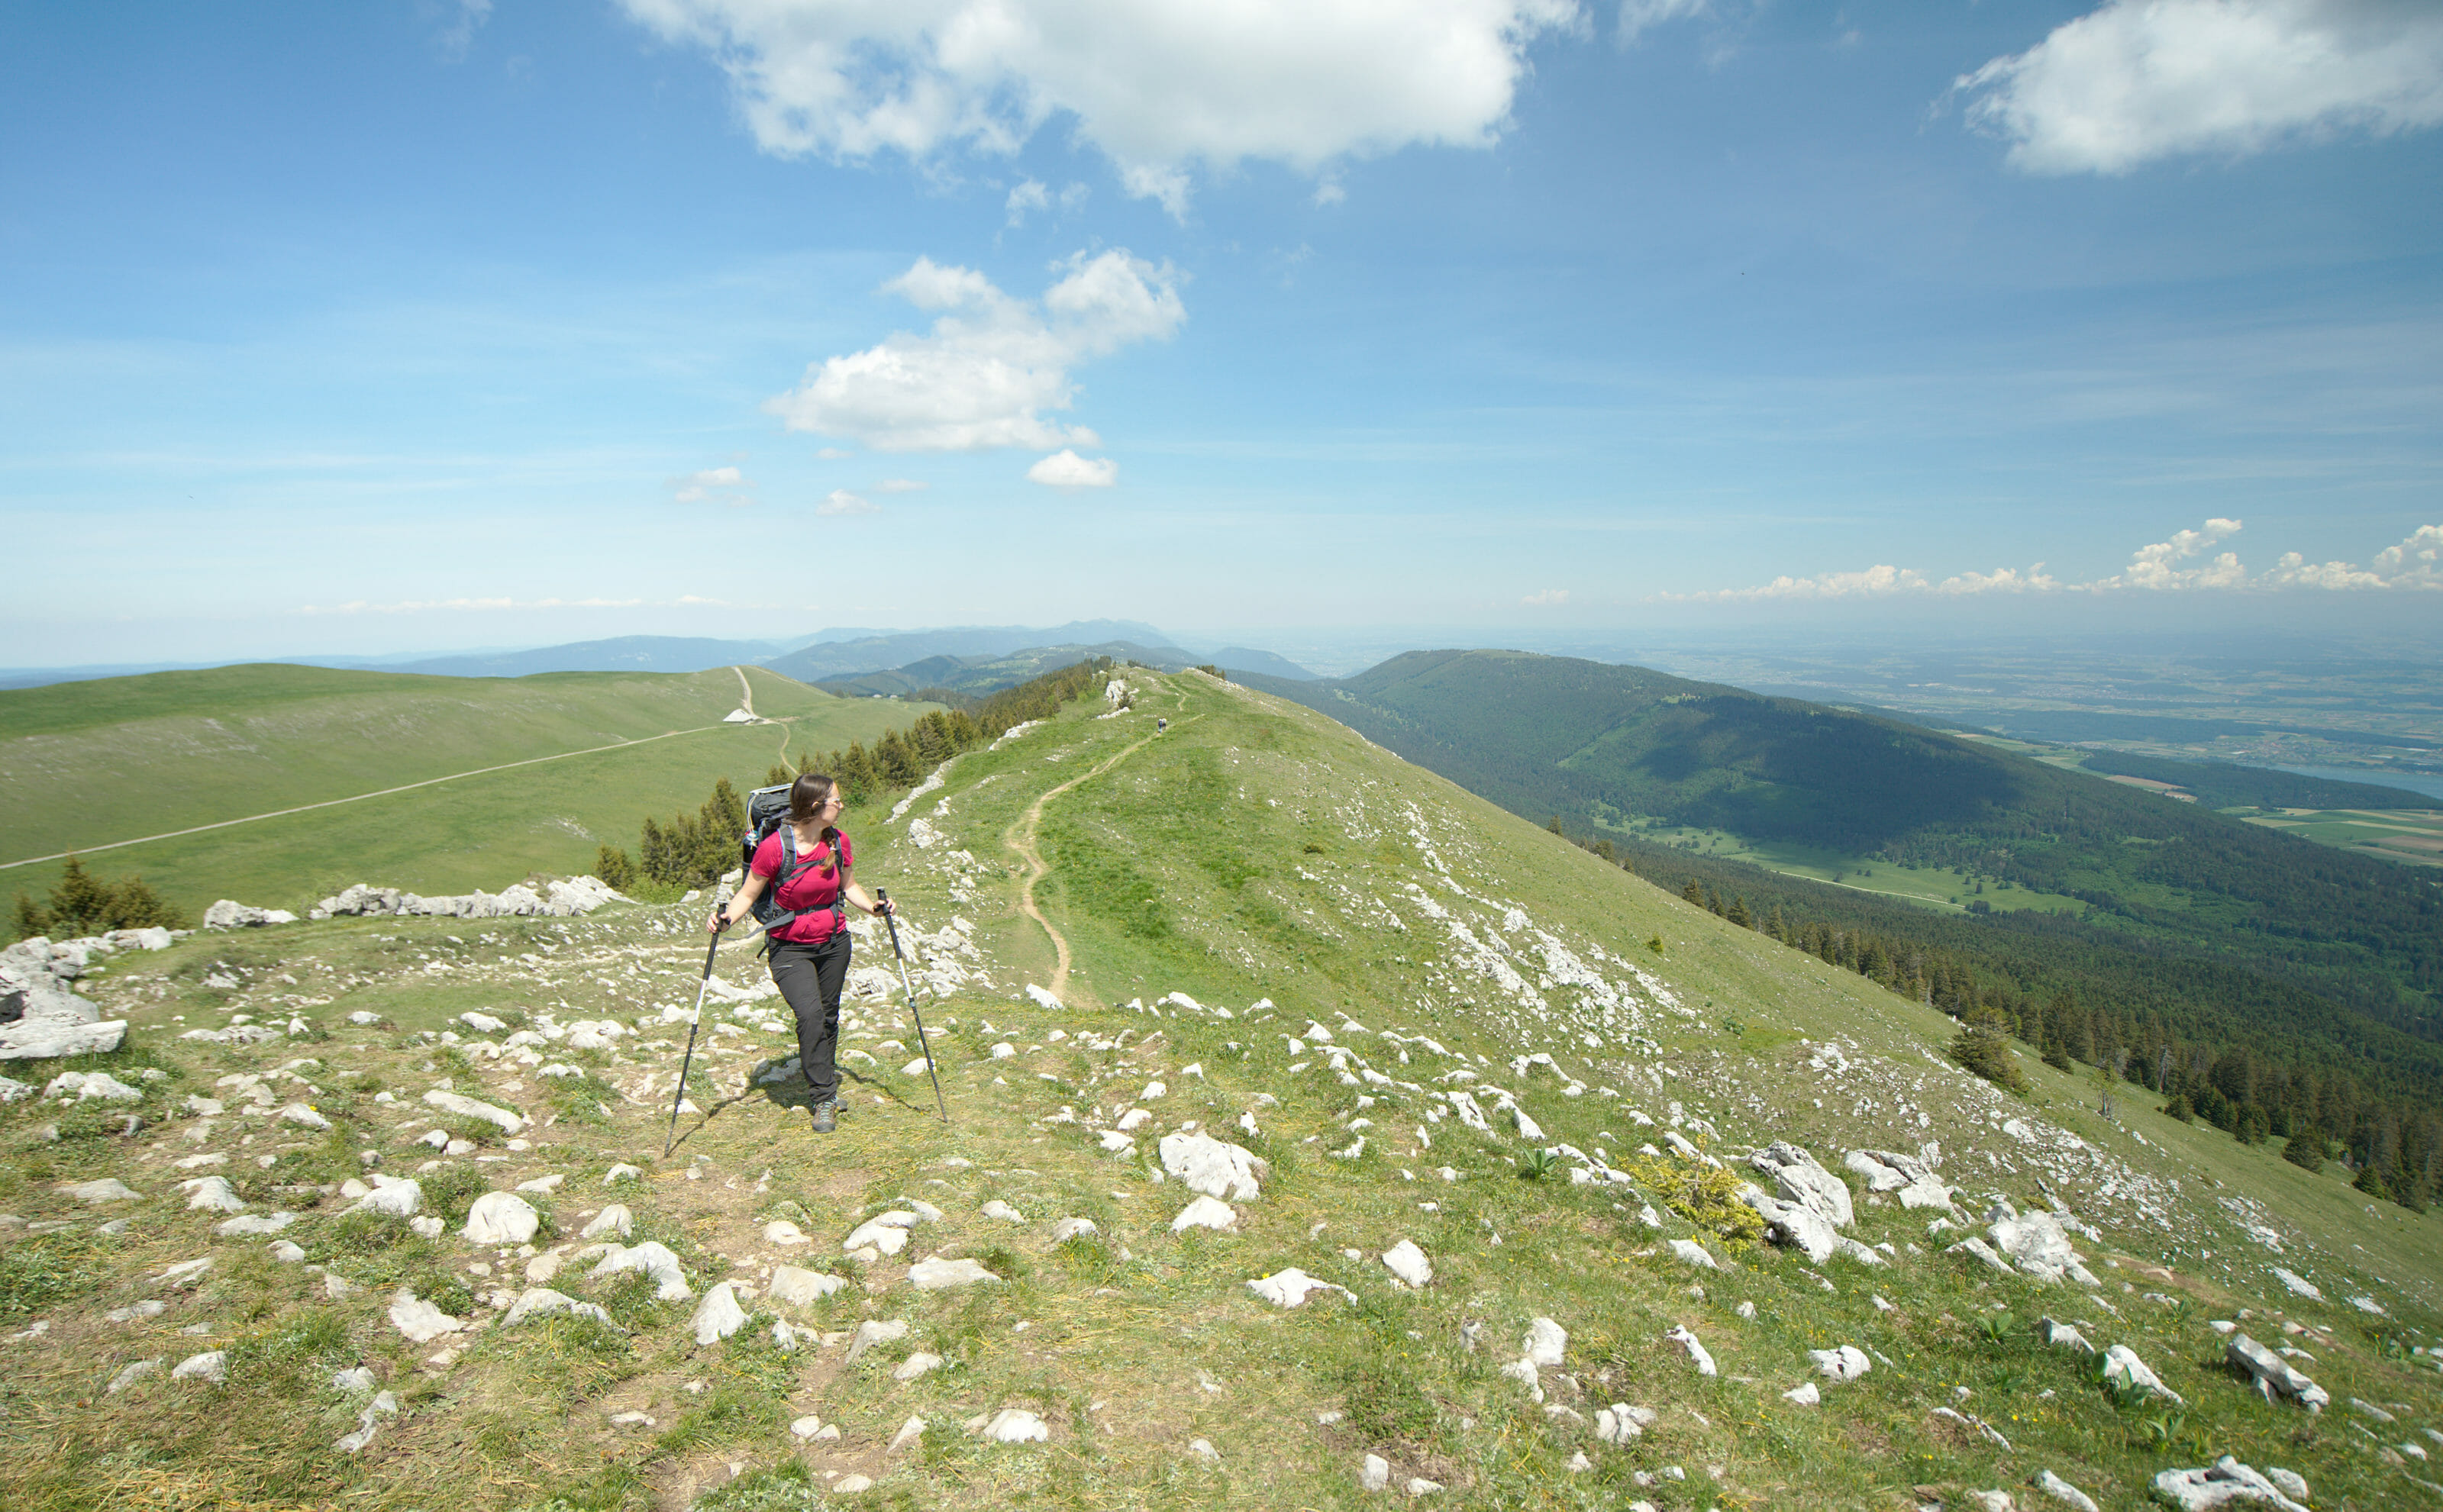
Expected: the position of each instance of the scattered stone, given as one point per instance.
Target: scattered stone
(94, 1193)
(937, 1274)
(887, 1233)
(718, 1316)
(230, 914)
(1002, 1210)
(630, 1420)
(212, 1365)
(806, 1427)
(655, 1260)
(2226, 1481)
(2063, 1336)
(785, 1234)
(1619, 1423)
(799, 1288)
(500, 1218)
(1845, 1363)
(1205, 1213)
(467, 1107)
(1995, 1500)
(1697, 1351)
(615, 1219)
(250, 1227)
(621, 1173)
(383, 1405)
(1979, 1248)
(872, 1332)
(1375, 1475)
(1693, 1253)
(137, 1312)
(909, 1432)
(2122, 1365)
(1417, 1484)
(2293, 1484)
(538, 1301)
(915, 1365)
(1805, 1395)
(2273, 1375)
(421, 1321)
(1015, 1425)
(397, 1197)
(2298, 1283)
(1911, 1176)
(1409, 1263)
(1068, 1229)
(428, 1226)
(89, 1084)
(131, 1375)
(1213, 1167)
(850, 1484)
(211, 1194)
(2036, 1243)
(1289, 1289)
(2062, 1491)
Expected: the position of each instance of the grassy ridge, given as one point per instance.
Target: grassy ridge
(295, 735)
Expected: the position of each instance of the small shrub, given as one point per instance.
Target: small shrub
(1706, 1196)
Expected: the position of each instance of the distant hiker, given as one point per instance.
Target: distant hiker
(812, 863)
(1160, 726)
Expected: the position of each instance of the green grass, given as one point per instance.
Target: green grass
(2412, 836)
(1942, 889)
(1138, 1341)
(295, 735)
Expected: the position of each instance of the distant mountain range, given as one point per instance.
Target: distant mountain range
(826, 656)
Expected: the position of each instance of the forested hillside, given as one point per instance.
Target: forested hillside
(2224, 784)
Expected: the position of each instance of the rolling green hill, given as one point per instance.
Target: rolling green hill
(1442, 1039)
(86, 764)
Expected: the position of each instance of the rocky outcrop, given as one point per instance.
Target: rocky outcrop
(581, 895)
(1808, 1205)
(2273, 1376)
(230, 914)
(2224, 1483)
(39, 1020)
(1910, 1176)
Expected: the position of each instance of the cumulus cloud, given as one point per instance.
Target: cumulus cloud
(2415, 564)
(1066, 469)
(1548, 596)
(992, 364)
(457, 34)
(840, 501)
(713, 485)
(1636, 17)
(2141, 80)
(2158, 566)
(1157, 88)
(899, 486)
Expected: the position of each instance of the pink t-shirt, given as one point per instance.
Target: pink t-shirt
(815, 886)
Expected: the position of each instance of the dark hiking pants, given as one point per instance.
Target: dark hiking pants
(810, 977)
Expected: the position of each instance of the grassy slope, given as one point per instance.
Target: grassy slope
(174, 750)
(1185, 867)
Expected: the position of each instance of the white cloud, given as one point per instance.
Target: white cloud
(899, 486)
(459, 604)
(2141, 80)
(2156, 567)
(458, 34)
(1875, 582)
(714, 485)
(1066, 469)
(2415, 563)
(1330, 192)
(834, 453)
(1157, 87)
(1029, 195)
(992, 364)
(1549, 596)
(840, 501)
(2000, 580)
(1636, 17)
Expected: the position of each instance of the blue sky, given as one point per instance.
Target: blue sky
(419, 326)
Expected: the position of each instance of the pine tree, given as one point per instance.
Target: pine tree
(81, 902)
(1983, 1047)
(1693, 893)
(2306, 1150)
(611, 866)
(134, 906)
(2057, 1055)
(2371, 1181)
(31, 921)
(1737, 914)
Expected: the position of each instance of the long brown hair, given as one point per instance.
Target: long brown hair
(808, 795)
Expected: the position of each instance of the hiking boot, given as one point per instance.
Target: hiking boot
(826, 1117)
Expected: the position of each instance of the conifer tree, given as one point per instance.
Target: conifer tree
(1983, 1047)
(1693, 892)
(2306, 1150)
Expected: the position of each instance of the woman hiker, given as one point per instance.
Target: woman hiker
(810, 947)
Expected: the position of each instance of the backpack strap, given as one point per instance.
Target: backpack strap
(792, 868)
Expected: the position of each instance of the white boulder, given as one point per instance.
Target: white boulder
(500, 1218)
(1213, 1167)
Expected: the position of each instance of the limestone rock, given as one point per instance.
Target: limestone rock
(938, 1274)
(89, 1084)
(871, 1332)
(537, 1301)
(131, 1375)
(2298, 1283)
(2063, 1336)
(250, 1227)
(1205, 1213)
(718, 1316)
(1289, 1289)
(799, 1288)
(1790, 1223)
(2225, 1482)
(230, 914)
(2122, 1365)
(212, 1365)
(915, 1365)
(1405, 1261)
(1797, 1179)
(1845, 1363)
(211, 1194)
(655, 1260)
(1980, 1249)
(1697, 1351)
(467, 1107)
(1374, 1474)
(615, 1219)
(1015, 1425)
(383, 1405)
(1068, 1229)
(1213, 1167)
(1693, 1253)
(909, 1432)
(2062, 1491)
(1910, 1176)
(2034, 1242)
(1804, 1395)
(885, 1231)
(1546, 1341)
(2273, 1375)
(421, 1321)
(500, 1218)
(397, 1196)
(94, 1193)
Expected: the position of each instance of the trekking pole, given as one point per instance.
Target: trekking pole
(891, 917)
(671, 1140)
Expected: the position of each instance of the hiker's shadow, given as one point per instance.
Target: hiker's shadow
(778, 1083)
